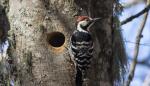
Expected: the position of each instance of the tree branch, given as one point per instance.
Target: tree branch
(136, 49)
(146, 9)
(144, 62)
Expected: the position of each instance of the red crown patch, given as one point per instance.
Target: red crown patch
(81, 18)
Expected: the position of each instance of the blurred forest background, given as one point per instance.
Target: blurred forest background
(129, 30)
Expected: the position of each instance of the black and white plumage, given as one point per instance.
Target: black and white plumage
(82, 47)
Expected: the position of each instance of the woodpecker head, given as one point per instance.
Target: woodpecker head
(84, 22)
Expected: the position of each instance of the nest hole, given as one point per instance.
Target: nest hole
(56, 39)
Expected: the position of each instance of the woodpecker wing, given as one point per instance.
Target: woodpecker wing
(82, 48)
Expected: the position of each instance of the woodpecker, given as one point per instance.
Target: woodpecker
(82, 47)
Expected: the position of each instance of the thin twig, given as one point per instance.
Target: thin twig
(136, 50)
(143, 44)
(146, 9)
(144, 62)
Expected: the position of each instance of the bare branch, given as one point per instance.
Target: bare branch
(146, 9)
(136, 49)
(144, 62)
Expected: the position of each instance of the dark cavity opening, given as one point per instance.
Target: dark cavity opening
(56, 39)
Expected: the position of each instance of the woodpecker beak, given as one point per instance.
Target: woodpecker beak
(92, 21)
(95, 19)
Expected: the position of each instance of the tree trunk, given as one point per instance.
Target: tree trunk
(39, 41)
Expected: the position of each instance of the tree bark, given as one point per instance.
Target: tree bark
(39, 41)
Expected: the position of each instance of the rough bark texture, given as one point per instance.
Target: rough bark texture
(38, 63)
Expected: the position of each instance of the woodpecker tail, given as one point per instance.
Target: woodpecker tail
(79, 78)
